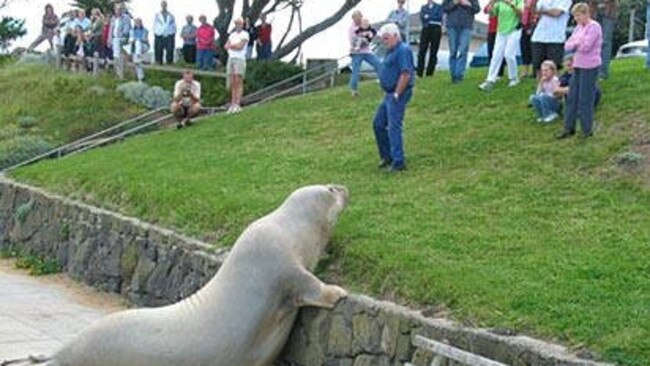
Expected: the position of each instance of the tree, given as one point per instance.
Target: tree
(254, 8)
(10, 29)
(105, 6)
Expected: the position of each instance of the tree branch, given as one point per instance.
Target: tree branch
(282, 51)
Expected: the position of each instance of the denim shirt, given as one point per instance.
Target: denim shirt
(397, 61)
(431, 15)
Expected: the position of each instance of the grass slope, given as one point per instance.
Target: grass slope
(64, 106)
(494, 219)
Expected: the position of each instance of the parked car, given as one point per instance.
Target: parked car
(633, 49)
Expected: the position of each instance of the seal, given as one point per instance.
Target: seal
(244, 314)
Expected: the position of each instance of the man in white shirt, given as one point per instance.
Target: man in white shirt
(550, 32)
(186, 102)
(164, 30)
(236, 67)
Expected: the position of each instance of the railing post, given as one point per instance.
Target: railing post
(119, 66)
(57, 56)
(304, 82)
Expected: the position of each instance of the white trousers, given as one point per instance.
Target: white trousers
(505, 46)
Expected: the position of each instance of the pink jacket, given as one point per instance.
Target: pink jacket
(586, 41)
(205, 37)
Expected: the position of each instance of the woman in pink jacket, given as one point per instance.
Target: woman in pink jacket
(585, 42)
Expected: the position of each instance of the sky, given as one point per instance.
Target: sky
(331, 43)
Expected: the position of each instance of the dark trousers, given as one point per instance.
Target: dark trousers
(189, 53)
(526, 47)
(547, 51)
(491, 38)
(387, 125)
(429, 38)
(166, 44)
(581, 98)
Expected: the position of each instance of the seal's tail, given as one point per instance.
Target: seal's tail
(31, 360)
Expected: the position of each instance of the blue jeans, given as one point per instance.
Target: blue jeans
(357, 59)
(388, 127)
(647, 19)
(264, 51)
(581, 99)
(544, 104)
(458, 47)
(608, 24)
(205, 59)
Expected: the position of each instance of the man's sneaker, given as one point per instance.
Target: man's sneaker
(514, 82)
(565, 134)
(383, 163)
(236, 109)
(396, 168)
(550, 118)
(486, 85)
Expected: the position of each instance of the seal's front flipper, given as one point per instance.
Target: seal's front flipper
(313, 292)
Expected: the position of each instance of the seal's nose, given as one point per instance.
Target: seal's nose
(341, 191)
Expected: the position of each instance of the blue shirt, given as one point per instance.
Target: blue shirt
(460, 16)
(397, 61)
(431, 15)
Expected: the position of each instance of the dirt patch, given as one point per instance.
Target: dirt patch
(79, 293)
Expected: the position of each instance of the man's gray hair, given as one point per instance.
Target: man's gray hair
(389, 29)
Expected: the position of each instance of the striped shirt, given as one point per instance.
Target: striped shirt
(552, 29)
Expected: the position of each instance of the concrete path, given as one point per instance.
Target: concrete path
(38, 314)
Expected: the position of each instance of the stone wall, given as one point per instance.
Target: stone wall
(153, 266)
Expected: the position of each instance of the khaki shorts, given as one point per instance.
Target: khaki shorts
(236, 66)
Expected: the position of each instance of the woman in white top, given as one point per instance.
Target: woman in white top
(236, 67)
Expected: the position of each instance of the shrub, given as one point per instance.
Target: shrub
(143, 94)
(260, 74)
(16, 147)
(97, 90)
(27, 122)
(156, 97)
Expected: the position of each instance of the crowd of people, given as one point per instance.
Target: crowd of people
(537, 28)
(79, 39)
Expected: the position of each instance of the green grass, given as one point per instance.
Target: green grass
(494, 218)
(60, 106)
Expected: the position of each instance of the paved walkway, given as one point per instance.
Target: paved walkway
(38, 314)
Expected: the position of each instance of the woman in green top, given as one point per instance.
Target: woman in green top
(506, 44)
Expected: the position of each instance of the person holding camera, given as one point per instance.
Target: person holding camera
(459, 22)
(186, 103)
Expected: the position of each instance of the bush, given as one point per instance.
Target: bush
(27, 122)
(16, 147)
(259, 74)
(143, 94)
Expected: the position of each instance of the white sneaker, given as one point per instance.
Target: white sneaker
(514, 82)
(550, 118)
(486, 85)
(236, 109)
(539, 120)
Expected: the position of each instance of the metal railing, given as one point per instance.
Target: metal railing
(444, 351)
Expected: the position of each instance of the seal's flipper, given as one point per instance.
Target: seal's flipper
(313, 292)
(31, 360)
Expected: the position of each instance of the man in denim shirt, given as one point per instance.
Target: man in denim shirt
(460, 21)
(431, 17)
(397, 79)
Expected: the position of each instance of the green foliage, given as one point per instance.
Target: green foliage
(260, 74)
(23, 210)
(17, 146)
(152, 97)
(27, 122)
(494, 219)
(37, 265)
(106, 6)
(67, 106)
(10, 29)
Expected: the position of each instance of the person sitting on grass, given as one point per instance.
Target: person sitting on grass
(562, 91)
(544, 100)
(186, 103)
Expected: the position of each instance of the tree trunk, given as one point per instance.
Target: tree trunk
(313, 30)
(222, 23)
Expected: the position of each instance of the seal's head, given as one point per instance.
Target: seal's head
(320, 204)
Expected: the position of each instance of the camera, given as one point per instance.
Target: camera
(186, 92)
